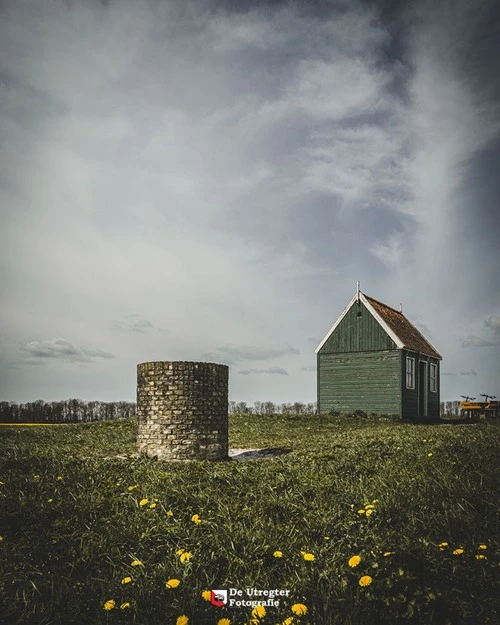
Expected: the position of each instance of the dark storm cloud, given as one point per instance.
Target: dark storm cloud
(476, 341)
(237, 354)
(271, 370)
(62, 349)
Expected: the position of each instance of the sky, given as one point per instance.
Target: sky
(207, 180)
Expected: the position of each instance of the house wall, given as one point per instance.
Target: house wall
(409, 404)
(358, 334)
(368, 380)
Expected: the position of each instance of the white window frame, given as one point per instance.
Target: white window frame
(433, 378)
(410, 372)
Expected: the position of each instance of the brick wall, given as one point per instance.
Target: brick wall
(182, 410)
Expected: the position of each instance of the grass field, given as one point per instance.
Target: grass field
(90, 538)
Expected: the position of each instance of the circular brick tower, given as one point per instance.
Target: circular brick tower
(182, 410)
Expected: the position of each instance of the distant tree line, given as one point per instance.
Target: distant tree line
(270, 408)
(449, 408)
(66, 411)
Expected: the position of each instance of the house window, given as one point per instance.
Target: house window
(433, 378)
(410, 372)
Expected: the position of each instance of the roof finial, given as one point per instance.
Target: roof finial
(400, 307)
(357, 289)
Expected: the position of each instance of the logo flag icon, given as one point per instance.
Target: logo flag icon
(218, 597)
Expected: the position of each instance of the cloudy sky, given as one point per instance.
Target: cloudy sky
(207, 180)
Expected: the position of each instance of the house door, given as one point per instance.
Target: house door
(422, 389)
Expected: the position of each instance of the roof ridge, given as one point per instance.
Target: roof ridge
(382, 304)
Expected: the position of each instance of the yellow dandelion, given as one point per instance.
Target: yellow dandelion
(369, 512)
(125, 605)
(172, 583)
(36, 477)
(156, 500)
(388, 553)
(143, 502)
(50, 500)
(196, 519)
(375, 501)
(354, 561)
(1, 538)
(185, 556)
(59, 478)
(483, 546)
(429, 454)
(179, 552)
(182, 620)
(299, 609)
(223, 621)
(109, 605)
(288, 621)
(136, 563)
(369, 506)
(170, 513)
(132, 487)
(307, 556)
(361, 511)
(153, 505)
(480, 556)
(443, 544)
(326, 537)
(366, 580)
(278, 554)
(458, 552)
(207, 595)
(259, 611)
(126, 580)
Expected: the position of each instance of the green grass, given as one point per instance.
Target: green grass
(71, 527)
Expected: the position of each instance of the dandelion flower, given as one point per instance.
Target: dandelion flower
(369, 512)
(125, 605)
(307, 556)
(132, 487)
(152, 506)
(50, 500)
(1, 538)
(443, 544)
(143, 502)
(172, 583)
(126, 580)
(483, 546)
(179, 552)
(299, 609)
(361, 511)
(326, 537)
(136, 563)
(480, 556)
(207, 595)
(59, 478)
(170, 513)
(366, 580)
(223, 621)
(109, 605)
(259, 611)
(182, 620)
(354, 561)
(369, 506)
(429, 454)
(185, 556)
(375, 501)
(278, 554)
(388, 553)
(458, 552)
(196, 519)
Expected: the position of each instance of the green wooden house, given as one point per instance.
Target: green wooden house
(373, 359)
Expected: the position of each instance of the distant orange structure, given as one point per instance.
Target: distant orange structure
(471, 408)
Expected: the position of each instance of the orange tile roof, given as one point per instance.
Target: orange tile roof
(406, 331)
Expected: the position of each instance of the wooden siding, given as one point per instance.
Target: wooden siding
(358, 334)
(369, 381)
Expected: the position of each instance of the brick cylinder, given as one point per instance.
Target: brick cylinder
(182, 410)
